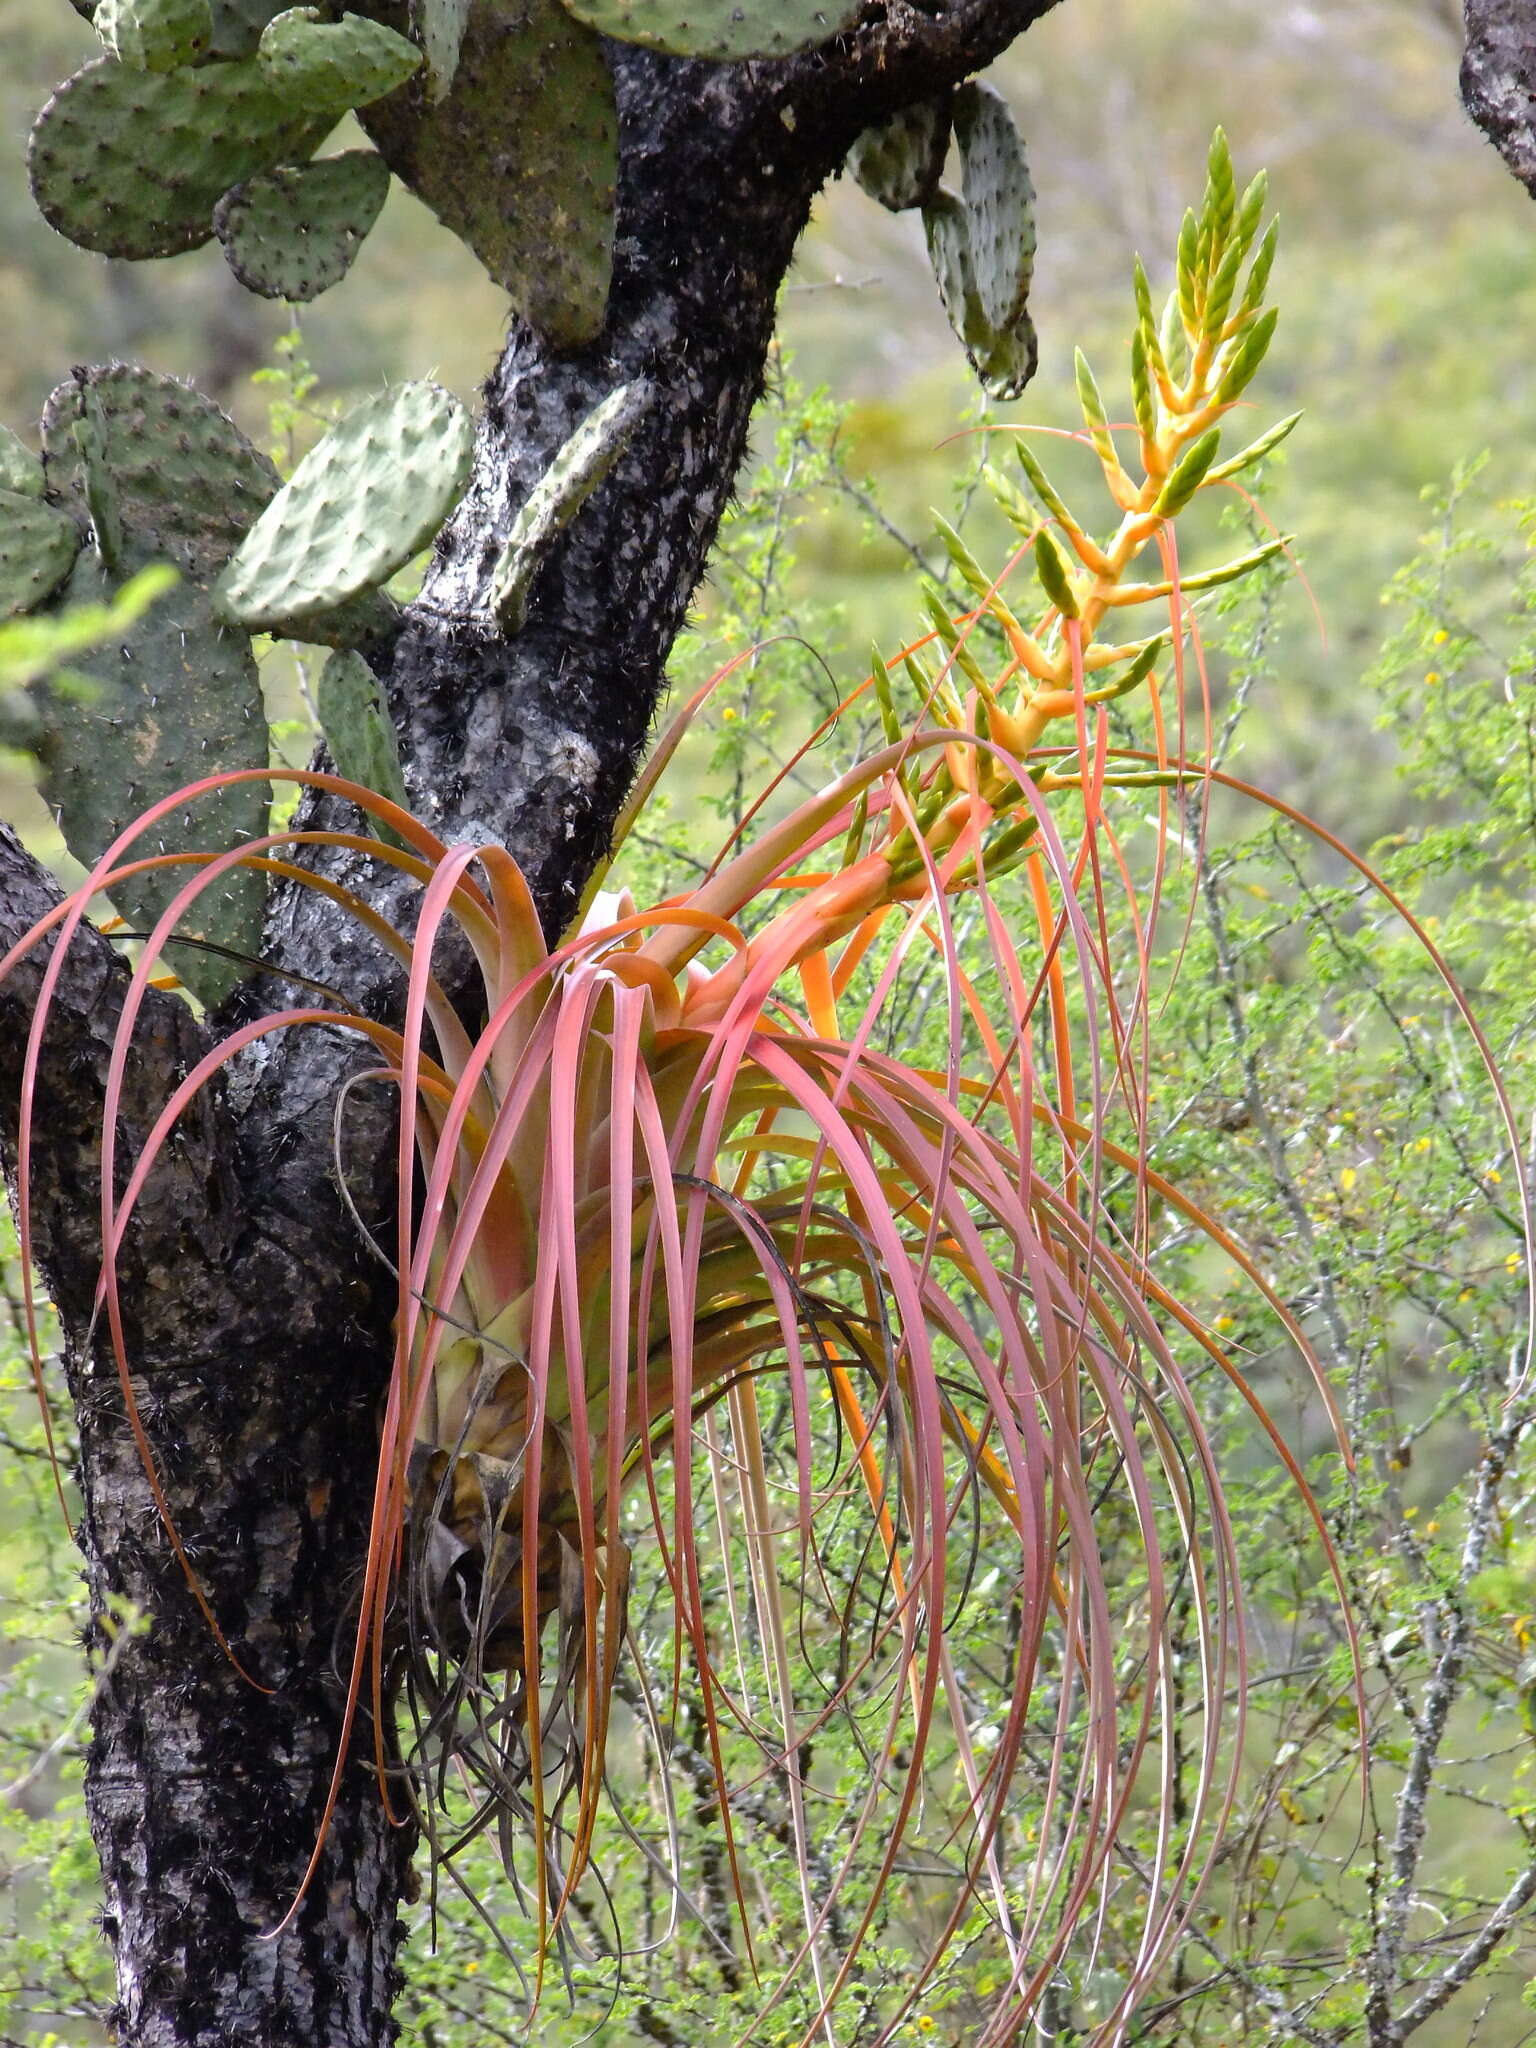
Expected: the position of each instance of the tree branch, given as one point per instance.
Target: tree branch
(1441, 1989)
(195, 1179)
(1498, 80)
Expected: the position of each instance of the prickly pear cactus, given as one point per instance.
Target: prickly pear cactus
(1004, 359)
(186, 483)
(38, 546)
(357, 727)
(900, 162)
(132, 163)
(150, 463)
(293, 233)
(328, 66)
(439, 27)
(520, 159)
(359, 505)
(999, 200)
(154, 35)
(554, 501)
(178, 699)
(720, 28)
(20, 470)
(982, 244)
(157, 471)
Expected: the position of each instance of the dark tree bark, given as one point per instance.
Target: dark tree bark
(257, 1327)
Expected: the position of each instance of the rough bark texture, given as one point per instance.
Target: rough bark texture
(257, 1326)
(254, 1376)
(1498, 80)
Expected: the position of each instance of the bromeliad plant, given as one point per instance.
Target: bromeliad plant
(704, 1286)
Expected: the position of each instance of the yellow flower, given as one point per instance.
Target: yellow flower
(1433, 676)
(1441, 636)
(926, 2023)
(1513, 1263)
(1347, 1179)
(730, 711)
(1226, 1322)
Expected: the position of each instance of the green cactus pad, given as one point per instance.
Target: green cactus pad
(555, 499)
(982, 245)
(154, 35)
(20, 470)
(185, 481)
(357, 728)
(439, 27)
(359, 505)
(719, 28)
(999, 201)
(177, 700)
(329, 66)
(38, 546)
(132, 163)
(520, 159)
(901, 162)
(1004, 358)
(293, 233)
(103, 503)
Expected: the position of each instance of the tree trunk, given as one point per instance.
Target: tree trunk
(257, 1322)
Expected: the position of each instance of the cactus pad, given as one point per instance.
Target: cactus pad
(520, 159)
(20, 470)
(439, 27)
(357, 729)
(38, 546)
(293, 233)
(132, 163)
(719, 28)
(178, 699)
(982, 245)
(186, 482)
(360, 504)
(154, 35)
(999, 201)
(900, 162)
(1003, 358)
(329, 66)
(555, 499)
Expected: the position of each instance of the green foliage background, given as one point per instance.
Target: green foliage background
(1309, 1080)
